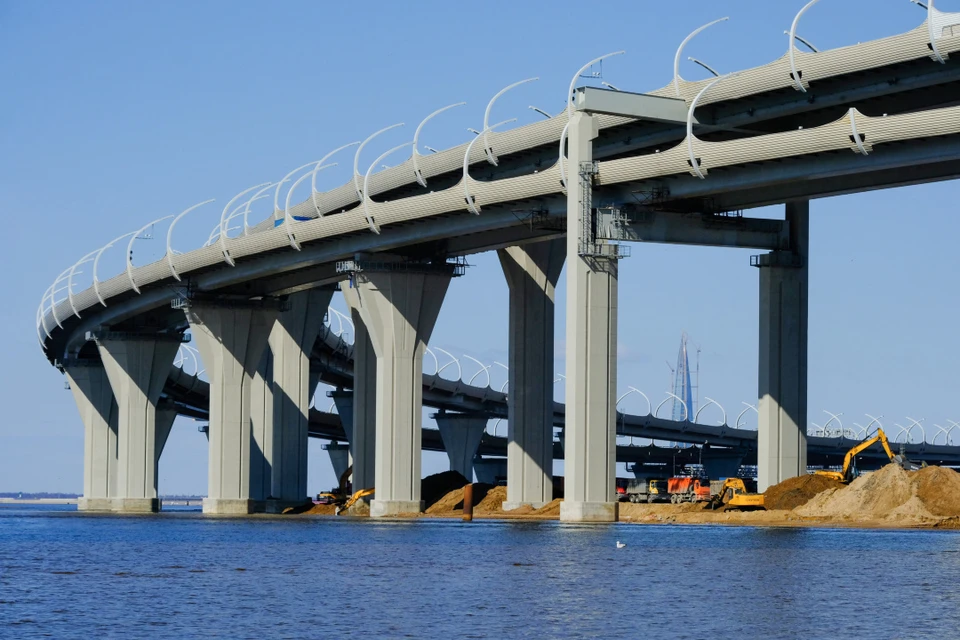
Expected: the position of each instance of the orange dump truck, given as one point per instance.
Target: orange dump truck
(687, 489)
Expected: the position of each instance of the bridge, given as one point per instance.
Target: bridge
(678, 165)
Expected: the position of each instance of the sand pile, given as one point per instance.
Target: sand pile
(319, 510)
(492, 502)
(453, 501)
(796, 492)
(434, 488)
(891, 494)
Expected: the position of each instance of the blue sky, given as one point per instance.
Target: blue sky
(117, 113)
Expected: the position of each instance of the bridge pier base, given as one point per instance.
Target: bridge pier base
(98, 412)
(532, 272)
(461, 434)
(231, 340)
(784, 277)
(399, 305)
(590, 429)
(137, 367)
(291, 341)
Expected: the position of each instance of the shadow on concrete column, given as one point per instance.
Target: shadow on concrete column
(231, 338)
(138, 366)
(98, 412)
(461, 434)
(784, 279)
(291, 340)
(399, 305)
(532, 271)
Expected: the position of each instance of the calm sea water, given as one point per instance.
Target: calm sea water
(180, 575)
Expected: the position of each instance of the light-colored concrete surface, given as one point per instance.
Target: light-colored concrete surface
(461, 434)
(599, 512)
(98, 411)
(291, 341)
(399, 309)
(339, 454)
(231, 340)
(232, 507)
(96, 505)
(782, 380)
(591, 352)
(510, 506)
(138, 367)
(136, 505)
(532, 271)
(380, 508)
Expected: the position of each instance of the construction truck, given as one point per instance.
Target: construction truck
(646, 490)
(686, 489)
(341, 496)
(847, 472)
(733, 496)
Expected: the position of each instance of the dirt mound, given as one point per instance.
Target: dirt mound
(492, 502)
(434, 488)
(939, 489)
(550, 509)
(320, 510)
(453, 501)
(891, 494)
(797, 492)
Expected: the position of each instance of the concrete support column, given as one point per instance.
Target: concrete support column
(784, 278)
(461, 434)
(231, 340)
(532, 272)
(399, 307)
(98, 412)
(262, 429)
(138, 366)
(339, 457)
(591, 354)
(291, 341)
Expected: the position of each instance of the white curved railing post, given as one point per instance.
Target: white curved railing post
(356, 158)
(259, 195)
(833, 416)
(279, 185)
(313, 180)
(487, 149)
(872, 420)
(73, 271)
(686, 414)
(483, 369)
(573, 81)
(503, 387)
(436, 363)
(223, 221)
(96, 264)
(937, 434)
(797, 80)
(903, 430)
(453, 359)
(133, 239)
(170, 253)
(53, 296)
(416, 138)
(366, 183)
(471, 204)
(803, 41)
(686, 41)
(287, 218)
(953, 425)
(932, 29)
(747, 406)
(694, 163)
(562, 158)
(916, 423)
(711, 401)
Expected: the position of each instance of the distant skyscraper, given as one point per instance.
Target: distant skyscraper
(681, 385)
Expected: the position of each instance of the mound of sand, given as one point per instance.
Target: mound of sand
(492, 502)
(796, 492)
(891, 494)
(318, 510)
(434, 488)
(453, 501)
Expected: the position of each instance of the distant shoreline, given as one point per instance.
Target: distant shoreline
(38, 501)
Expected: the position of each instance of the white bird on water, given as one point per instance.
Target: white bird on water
(621, 545)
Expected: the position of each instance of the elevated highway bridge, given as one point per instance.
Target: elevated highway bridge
(678, 165)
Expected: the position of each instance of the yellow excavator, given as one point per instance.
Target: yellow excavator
(341, 496)
(733, 495)
(845, 475)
